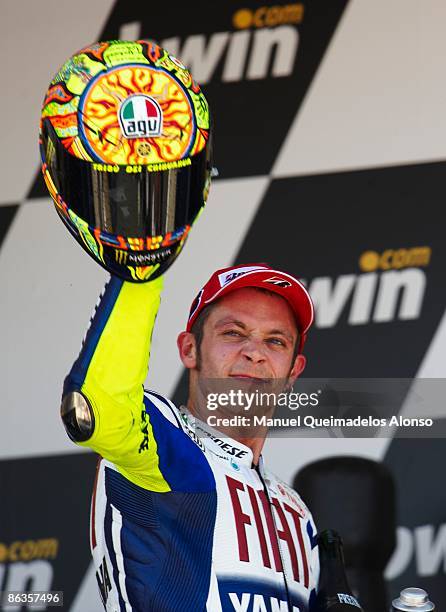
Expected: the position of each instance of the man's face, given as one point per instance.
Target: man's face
(249, 334)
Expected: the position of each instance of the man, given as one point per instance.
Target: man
(183, 517)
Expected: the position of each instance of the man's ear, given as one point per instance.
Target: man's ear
(187, 348)
(297, 369)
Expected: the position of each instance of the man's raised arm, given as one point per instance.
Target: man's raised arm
(103, 393)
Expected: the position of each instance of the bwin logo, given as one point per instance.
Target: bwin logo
(424, 547)
(253, 49)
(372, 297)
(247, 54)
(26, 565)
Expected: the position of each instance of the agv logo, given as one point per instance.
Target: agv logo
(140, 116)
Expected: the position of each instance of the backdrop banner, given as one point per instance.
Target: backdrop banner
(329, 141)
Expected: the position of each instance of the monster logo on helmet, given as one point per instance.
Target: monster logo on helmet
(126, 154)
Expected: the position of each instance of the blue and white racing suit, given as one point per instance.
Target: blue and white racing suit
(181, 520)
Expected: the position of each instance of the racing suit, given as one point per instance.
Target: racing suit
(180, 518)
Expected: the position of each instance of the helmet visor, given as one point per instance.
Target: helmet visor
(132, 201)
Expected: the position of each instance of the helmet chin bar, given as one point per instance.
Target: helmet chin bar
(77, 416)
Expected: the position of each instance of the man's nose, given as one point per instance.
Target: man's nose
(253, 350)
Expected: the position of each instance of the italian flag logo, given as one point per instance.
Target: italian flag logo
(140, 116)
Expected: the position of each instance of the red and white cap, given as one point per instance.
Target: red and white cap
(226, 280)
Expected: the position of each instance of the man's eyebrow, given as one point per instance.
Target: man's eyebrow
(232, 321)
(281, 332)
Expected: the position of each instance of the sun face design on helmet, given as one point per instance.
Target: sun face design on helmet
(126, 154)
(121, 113)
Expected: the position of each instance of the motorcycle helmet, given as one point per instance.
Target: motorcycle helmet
(125, 143)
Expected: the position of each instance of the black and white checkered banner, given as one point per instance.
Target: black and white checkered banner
(329, 140)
